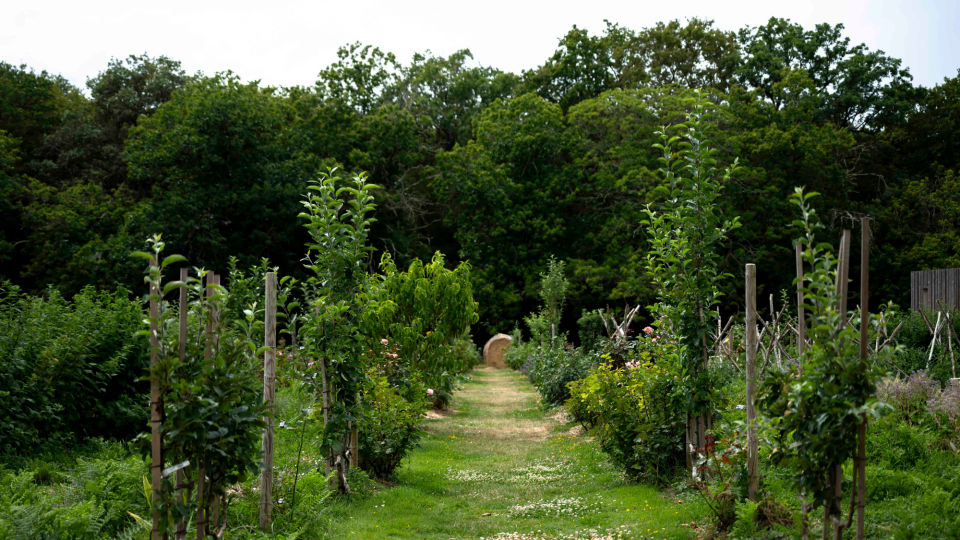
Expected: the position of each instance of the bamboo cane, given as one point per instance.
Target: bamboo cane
(214, 516)
(801, 320)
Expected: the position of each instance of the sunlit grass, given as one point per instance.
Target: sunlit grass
(502, 468)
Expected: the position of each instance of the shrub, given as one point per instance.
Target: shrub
(554, 368)
(591, 330)
(389, 426)
(632, 412)
(89, 498)
(69, 369)
(909, 397)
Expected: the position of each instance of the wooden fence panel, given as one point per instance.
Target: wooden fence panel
(929, 286)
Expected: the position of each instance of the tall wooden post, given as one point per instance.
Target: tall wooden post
(354, 443)
(269, 375)
(861, 486)
(752, 339)
(801, 316)
(843, 277)
(156, 410)
(214, 516)
(202, 516)
(180, 530)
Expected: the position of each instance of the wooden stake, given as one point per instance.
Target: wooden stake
(156, 411)
(864, 352)
(751, 345)
(326, 405)
(269, 375)
(354, 443)
(214, 516)
(801, 319)
(202, 516)
(180, 529)
(842, 282)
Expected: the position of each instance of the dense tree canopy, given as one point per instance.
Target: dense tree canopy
(496, 169)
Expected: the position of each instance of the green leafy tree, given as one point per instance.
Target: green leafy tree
(860, 88)
(685, 234)
(431, 307)
(223, 171)
(337, 218)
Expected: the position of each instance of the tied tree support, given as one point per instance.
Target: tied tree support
(180, 529)
(751, 346)
(156, 410)
(861, 462)
(269, 377)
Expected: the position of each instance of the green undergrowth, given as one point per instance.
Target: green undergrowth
(495, 466)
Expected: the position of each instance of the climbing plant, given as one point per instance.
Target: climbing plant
(685, 233)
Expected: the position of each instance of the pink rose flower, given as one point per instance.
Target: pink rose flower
(648, 330)
(384, 341)
(429, 391)
(654, 340)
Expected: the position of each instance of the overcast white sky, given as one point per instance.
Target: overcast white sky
(287, 42)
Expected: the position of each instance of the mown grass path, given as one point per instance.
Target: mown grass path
(499, 467)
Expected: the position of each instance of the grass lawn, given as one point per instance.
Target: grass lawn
(497, 466)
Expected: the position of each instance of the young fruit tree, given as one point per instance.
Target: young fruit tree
(211, 412)
(816, 405)
(685, 233)
(337, 215)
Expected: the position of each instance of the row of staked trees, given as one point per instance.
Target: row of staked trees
(504, 170)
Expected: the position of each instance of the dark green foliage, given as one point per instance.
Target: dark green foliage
(591, 330)
(69, 369)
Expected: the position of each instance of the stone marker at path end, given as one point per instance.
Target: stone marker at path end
(495, 349)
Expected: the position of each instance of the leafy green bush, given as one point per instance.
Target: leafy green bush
(632, 412)
(69, 369)
(389, 426)
(591, 330)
